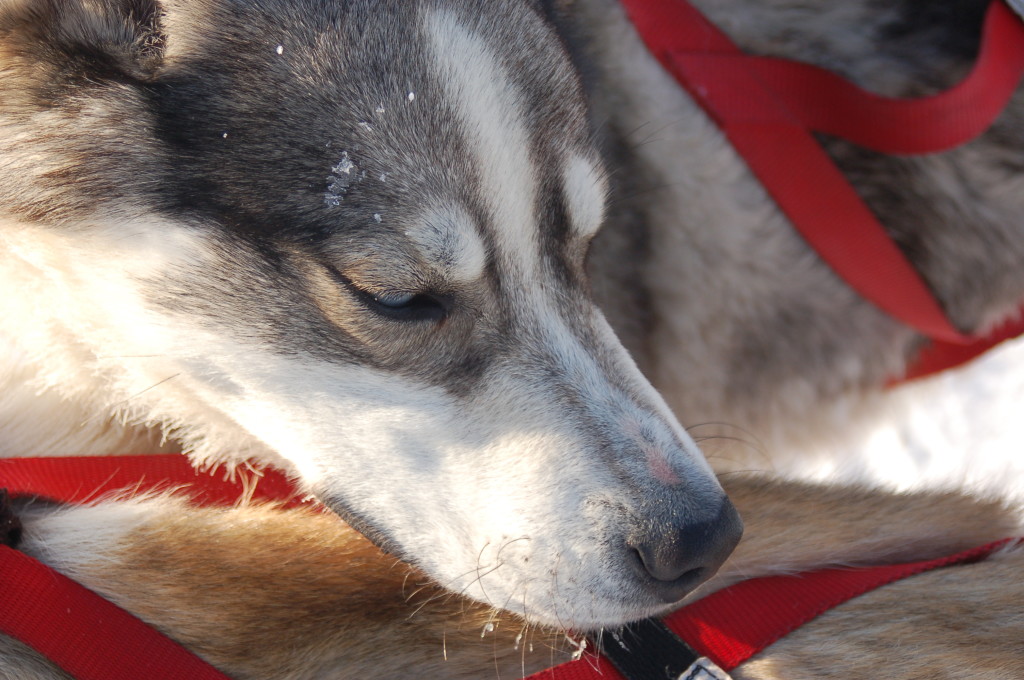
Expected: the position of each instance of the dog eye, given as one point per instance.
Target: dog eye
(411, 306)
(400, 305)
(394, 300)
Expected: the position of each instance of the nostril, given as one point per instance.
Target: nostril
(695, 575)
(673, 560)
(667, 581)
(662, 565)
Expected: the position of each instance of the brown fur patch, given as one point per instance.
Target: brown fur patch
(265, 593)
(794, 526)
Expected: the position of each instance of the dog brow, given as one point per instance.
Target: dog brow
(586, 189)
(488, 104)
(447, 239)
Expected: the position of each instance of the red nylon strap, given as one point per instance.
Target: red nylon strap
(81, 479)
(939, 356)
(765, 107)
(87, 636)
(93, 639)
(731, 625)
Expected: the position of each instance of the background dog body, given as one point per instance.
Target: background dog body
(731, 315)
(270, 594)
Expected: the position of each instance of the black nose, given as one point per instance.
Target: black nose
(674, 558)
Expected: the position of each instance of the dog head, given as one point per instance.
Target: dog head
(355, 231)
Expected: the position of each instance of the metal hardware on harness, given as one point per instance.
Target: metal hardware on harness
(648, 650)
(767, 108)
(704, 669)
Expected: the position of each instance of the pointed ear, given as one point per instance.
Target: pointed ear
(66, 42)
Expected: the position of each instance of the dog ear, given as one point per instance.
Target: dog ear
(70, 42)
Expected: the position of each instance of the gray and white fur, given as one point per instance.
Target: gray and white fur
(348, 239)
(351, 239)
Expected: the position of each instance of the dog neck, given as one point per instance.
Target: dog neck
(67, 388)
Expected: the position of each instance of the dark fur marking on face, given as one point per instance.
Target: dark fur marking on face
(259, 168)
(261, 132)
(254, 288)
(559, 244)
(622, 254)
(234, 134)
(355, 520)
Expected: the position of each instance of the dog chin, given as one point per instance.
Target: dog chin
(585, 612)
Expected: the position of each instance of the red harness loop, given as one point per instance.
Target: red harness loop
(86, 635)
(767, 109)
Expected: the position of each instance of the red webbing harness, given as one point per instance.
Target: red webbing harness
(731, 625)
(768, 108)
(93, 639)
(87, 636)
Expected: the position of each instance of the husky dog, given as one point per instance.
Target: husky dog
(346, 238)
(349, 238)
(338, 608)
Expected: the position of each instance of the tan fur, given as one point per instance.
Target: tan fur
(266, 593)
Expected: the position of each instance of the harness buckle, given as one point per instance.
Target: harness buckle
(704, 669)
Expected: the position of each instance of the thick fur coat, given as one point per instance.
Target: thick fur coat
(465, 269)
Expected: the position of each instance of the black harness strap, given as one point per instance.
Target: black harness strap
(647, 650)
